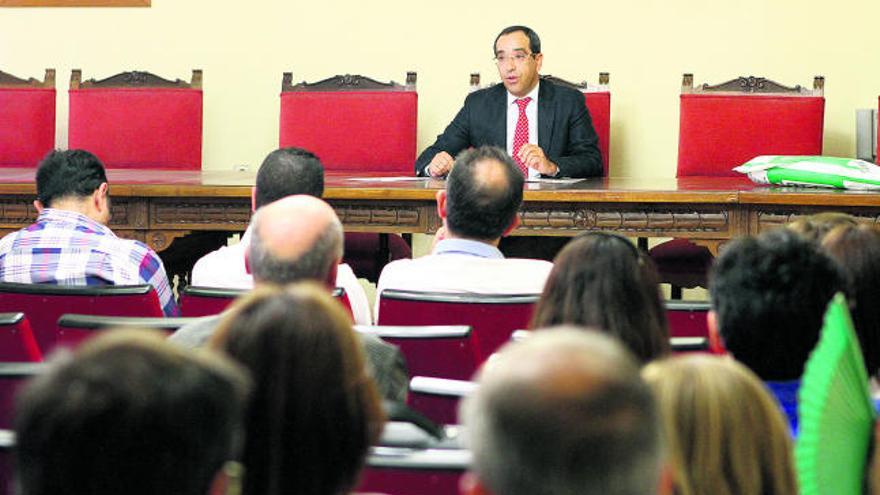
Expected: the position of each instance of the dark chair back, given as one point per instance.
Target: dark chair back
(493, 317)
(439, 351)
(207, 301)
(687, 318)
(399, 471)
(43, 304)
(73, 329)
(12, 377)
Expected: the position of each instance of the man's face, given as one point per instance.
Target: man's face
(517, 65)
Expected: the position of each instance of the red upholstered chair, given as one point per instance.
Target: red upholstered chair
(138, 120)
(43, 304)
(438, 351)
(12, 377)
(493, 317)
(27, 119)
(355, 124)
(687, 318)
(206, 301)
(598, 101)
(399, 471)
(17, 342)
(438, 398)
(726, 125)
(73, 329)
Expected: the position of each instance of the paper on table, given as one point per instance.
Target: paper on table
(388, 179)
(553, 181)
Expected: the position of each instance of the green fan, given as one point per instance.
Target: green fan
(835, 410)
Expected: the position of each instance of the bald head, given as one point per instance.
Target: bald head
(484, 191)
(564, 412)
(295, 238)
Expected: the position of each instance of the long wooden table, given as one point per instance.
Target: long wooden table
(160, 206)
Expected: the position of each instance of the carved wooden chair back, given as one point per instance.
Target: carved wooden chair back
(27, 119)
(725, 125)
(351, 122)
(138, 120)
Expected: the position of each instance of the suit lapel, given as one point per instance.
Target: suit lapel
(497, 114)
(546, 115)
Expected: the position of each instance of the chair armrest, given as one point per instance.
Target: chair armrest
(441, 386)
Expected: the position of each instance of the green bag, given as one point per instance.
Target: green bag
(812, 171)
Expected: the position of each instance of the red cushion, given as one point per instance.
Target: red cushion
(138, 127)
(27, 126)
(719, 132)
(599, 105)
(353, 131)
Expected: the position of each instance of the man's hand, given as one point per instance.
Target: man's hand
(533, 156)
(440, 165)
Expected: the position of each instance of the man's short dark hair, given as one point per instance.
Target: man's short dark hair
(129, 413)
(770, 293)
(68, 174)
(534, 40)
(474, 209)
(289, 171)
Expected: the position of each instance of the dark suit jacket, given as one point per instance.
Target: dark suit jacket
(565, 129)
(385, 362)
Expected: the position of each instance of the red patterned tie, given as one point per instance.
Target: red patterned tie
(521, 135)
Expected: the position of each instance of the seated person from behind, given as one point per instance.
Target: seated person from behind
(563, 412)
(70, 243)
(314, 412)
(724, 432)
(546, 128)
(769, 294)
(284, 172)
(601, 280)
(479, 205)
(130, 414)
(299, 238)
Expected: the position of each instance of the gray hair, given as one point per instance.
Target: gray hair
(600, 436)
(313, 264)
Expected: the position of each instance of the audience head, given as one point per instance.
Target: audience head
(724, 433)
(314, 410)
(563, 412)
(295, 238)
(769, 294)
(483, 193)
(814, 227)
(602, 280)
(286, 172)
(73, 180)
(856, 249)
(129, 413)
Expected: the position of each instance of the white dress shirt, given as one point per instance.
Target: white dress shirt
(513, 118)
(225, 268)
(461, 266)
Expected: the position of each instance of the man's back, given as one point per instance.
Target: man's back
(68, 248)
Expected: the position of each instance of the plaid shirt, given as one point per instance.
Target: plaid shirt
(67, 248)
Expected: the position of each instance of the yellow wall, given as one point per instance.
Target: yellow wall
(244, 46)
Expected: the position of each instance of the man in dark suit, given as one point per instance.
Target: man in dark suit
(518, 113)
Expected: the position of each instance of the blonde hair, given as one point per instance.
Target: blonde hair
(724, 433)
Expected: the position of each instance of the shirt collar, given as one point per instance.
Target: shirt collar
(533, 94)
(67, 216)
(467, 247)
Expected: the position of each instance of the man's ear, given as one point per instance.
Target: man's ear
(39, 206)
(513, 225)
(441, 204)
(469, 484)
(331, 273)
(716, 342)
(99, 197)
